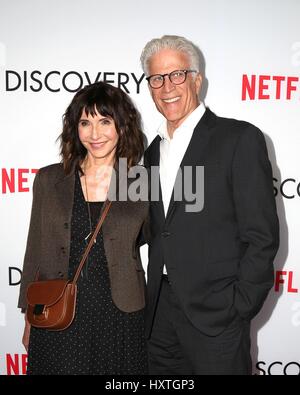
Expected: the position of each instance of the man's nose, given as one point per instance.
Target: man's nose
(168, 85)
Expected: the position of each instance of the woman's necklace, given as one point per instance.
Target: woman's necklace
(89, 212)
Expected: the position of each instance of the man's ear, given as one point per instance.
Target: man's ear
(198, 82)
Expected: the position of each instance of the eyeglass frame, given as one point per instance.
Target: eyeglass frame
(186, 71)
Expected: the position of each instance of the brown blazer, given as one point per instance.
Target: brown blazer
(48, 243)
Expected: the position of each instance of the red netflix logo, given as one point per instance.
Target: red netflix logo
(16, 180)
(284, 277)
(266, 87)
(16, 364)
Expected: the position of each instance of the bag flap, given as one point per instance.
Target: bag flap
(45, 292)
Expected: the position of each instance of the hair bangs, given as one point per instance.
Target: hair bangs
(100, 103)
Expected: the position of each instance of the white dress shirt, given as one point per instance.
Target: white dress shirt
(172, 151)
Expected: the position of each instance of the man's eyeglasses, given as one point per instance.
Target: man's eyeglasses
(176, 77)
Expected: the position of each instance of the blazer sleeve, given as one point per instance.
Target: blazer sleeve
(257, 220)
(30, 264)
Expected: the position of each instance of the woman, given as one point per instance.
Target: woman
(100, 126)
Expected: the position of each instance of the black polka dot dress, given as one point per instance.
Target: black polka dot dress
(102, 339)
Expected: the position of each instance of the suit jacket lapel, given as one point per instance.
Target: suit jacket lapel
(153, 160)
(195, 151)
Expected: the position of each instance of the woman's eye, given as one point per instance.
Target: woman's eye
(83, 123)
(105, 121)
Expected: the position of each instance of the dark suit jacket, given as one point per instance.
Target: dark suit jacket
(48, 244)
(219, 260)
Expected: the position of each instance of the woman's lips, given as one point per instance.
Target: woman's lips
(98, 145)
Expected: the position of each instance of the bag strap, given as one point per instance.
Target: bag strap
(91, 242)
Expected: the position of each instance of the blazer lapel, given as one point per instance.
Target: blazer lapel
(154, 159)
(65, 193)
(194, 153)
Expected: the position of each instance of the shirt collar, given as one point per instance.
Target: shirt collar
(188, 124)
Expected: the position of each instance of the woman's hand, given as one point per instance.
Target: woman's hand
(26, 334)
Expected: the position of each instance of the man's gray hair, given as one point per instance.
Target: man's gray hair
(176, 43)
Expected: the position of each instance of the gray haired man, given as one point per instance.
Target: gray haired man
(209, 271)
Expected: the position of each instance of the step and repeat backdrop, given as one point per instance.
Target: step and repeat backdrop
(50, 49)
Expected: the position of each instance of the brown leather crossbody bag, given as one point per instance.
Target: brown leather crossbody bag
(52, 303)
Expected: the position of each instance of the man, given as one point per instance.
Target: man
(210, 269)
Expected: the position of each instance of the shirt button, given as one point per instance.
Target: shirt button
(60, 274)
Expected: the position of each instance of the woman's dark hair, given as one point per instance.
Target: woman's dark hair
(108, 101)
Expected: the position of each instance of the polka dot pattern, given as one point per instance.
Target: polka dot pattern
(102, 339)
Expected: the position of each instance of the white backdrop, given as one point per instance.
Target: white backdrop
(50, 48)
